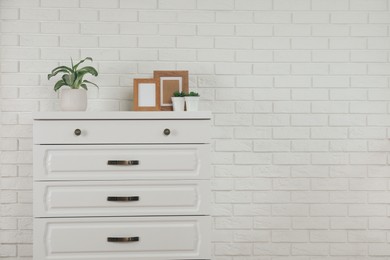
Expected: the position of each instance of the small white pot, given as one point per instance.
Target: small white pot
(73, 99)
(192, 103)
(178, 103)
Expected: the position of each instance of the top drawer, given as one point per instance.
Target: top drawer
(121, 131)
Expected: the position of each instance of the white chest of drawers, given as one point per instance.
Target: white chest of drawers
(122, 185)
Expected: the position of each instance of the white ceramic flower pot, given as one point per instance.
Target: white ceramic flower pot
(178, 103)
(192, 103)
(73, 99)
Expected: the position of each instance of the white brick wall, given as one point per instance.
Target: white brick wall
(299, 91)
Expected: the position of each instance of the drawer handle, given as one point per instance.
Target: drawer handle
(131, 198)
(122, 239)
(123, 162)
(167, 131)
(77, 132)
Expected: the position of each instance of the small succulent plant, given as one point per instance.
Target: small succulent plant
(193, 94)
(179, 94)
(73, 76)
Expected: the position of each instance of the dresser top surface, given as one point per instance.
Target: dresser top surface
(121, 115)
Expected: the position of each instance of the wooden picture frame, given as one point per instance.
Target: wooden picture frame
(146, 95)
(170, 81)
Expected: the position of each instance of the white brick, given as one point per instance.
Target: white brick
(310, 94)
(79, 41)
(271, 146)
(379, 17)
(271, 43)
(234, 17)
(155, 41)
(196, 16)
(325, 236)
(118, 15)
(368, 5)
(271, 120)
(289, 5)
(157, 17)
(331, 56)
(59, 3)
(39, 14)
(215, 29)
(254, 30)
(291, 133)
(272, 17)
(290, 158)
(310, 223)
(252, 158)
(177, 4)
(195, 42)
(311, 17)
(310, 146)
(330, 107)
(348, 250)
(315, 43)
(19, 27)
(271, 249)
(348, 43)
(233, 68)
(39, 41)
(139, 4)
(271, 68)
(215, 5)
(252, 133)
(78, 15)
(330, 5)
(292, 30)
(253, 4)
(293, 236)
(233, 43)
(330, 30)
(63, 27)
(310, 250)
(290, 210)
(349, 17)
(176, 55)
(328, 210)
(348, 223)
(233, 94)
(292, 56)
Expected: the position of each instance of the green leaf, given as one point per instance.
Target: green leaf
(56, 72)
(87, 81)
(69, 80)
(86, 70)
(75, 66)
(62, 68)
(71, 62)
(59, 84)
(84, 86)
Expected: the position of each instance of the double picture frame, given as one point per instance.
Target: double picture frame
(155, 94)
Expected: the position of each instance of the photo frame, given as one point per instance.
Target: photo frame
(146, 95)
(170, 81)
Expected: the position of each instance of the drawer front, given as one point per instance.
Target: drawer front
(132, 238)
(121, 198)
(121, 131)
(121, 162)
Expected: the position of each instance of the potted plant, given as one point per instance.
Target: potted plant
(73, 98)
(192, 101)
(178, 101)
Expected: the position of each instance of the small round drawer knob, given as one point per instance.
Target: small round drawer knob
(77, 132)
(167, 131)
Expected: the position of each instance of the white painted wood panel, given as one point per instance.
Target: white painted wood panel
(90, 162)
(160, 238)
(89, 198)
(120, 115)
(121, 131)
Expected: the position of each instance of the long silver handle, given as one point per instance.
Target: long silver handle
(115, 198)
(123, 162)
(122, 239)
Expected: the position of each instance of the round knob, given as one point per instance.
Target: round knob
(167, 131)
(77, 132)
